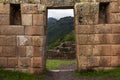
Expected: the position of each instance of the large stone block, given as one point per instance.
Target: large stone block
(38, 41)
(114, 7)
(29, 51)
(38, 19)
(12, 62)
(85, 50)
(4, 19)
(34, 30)
(27, 19)
(4, 8)
(115, 50)
(86, 13)
(24, 62)
(116, 38)
(11, 30)
(24, 40)
(9, 51)
(29, 8)
(86, 39)
(114, 18)
(8, 40)
(103, 39)
(37, 62)
(115, 61)
(21, 51)
(84, 29)
(94, 61)
(3, 62)
(103, 29)
(38, 52)
(102, 50)
(105, 61)
(115, 28)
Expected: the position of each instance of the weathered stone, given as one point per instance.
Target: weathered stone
(102, 50)
(115, 50)
(38, 52)
(115, 61)
(4, 9)
(38, 19)
(116, 38)
(21, 51)
(35, 30)
(8, 40)
(4, 19)
(37, 62)
(11, 30)
(105, 61)
(24, 62)
(3, 62)
(115, 28)
(27, 19)
(12, 62)
(9, 51)
(29, 51)
(24, 40)
(94, 61)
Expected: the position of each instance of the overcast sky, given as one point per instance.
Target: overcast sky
(59, 13)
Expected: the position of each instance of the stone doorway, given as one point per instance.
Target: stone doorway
(61, 51)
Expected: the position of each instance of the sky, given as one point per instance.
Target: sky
(59, 13)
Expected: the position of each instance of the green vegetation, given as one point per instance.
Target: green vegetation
(15, 75)
(55, 64)
(57, 29)
(100, 75)
(69, 37)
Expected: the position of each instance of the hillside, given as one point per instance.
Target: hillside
(57, 29)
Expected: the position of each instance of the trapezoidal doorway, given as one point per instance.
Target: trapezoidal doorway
(61, 49)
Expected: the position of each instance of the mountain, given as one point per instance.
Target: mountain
(57, 29)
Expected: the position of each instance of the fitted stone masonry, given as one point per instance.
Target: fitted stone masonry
(23, 37)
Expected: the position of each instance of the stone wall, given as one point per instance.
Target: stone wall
(22, 47)
(98, 44)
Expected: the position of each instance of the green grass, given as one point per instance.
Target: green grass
(55, 64)
(15, 75)
(100, 75)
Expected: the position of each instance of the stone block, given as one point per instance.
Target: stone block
(86, 39)
(34, 30)
(38, 41)
(29, 51)
(115, 61)
(38, 19)
(85, 50)
(24, 40)
(116, 38)
(114, 7)
(37, 62)
(86, 13)
(9, 51)
(8, 40)
(24, 62)
(115, 50)
(4, 8)
(4, 19)
(12, 62)
(38, 52)
(37, 70)
(3, 62)
(115, 28)
(82, 63)
(29, 8)
(11, 30)
(114, 18)
(102, 50)
(105, 61)
(21, 51)
(84, 29)
(94, 61)
(103, 29)
(102, 39)
(27, 19)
